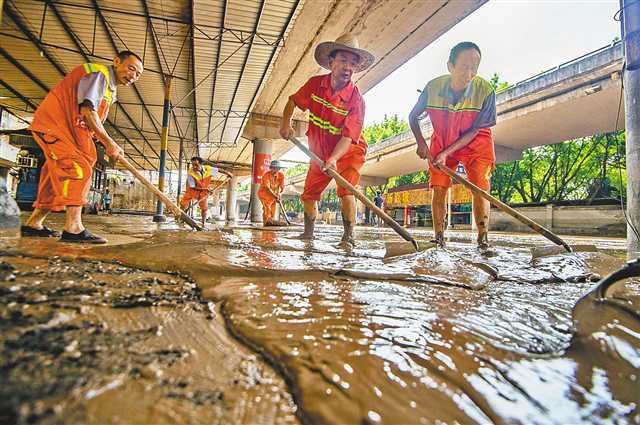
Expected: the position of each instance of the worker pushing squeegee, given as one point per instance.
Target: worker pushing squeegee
(336, 115)
(64, 126)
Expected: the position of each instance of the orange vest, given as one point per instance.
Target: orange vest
(59, 113)
(203, 181)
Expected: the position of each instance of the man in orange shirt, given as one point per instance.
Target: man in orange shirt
(198, 186)
(271, 187)
(64, 126)
(462, 109)
(336, 115)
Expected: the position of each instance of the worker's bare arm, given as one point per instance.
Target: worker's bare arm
(286, 130)
(338, 152)
(92, 119)
(414, 123)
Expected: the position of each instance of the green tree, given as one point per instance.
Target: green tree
(498, 86)
(586, 168)
(390, 126)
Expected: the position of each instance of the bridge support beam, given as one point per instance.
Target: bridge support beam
(631, 37)
(262, 150)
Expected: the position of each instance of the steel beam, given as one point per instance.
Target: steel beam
(77, 43)
(244, 65)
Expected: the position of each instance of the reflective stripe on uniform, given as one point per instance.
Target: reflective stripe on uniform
(325, 125)
(96, 67)
(329, 105)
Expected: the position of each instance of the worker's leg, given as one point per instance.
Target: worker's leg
(349, 168)
(438, 211)
(348, 204)
(37, 217)
(204, 209)
(479, 173)
(440, 183)
(73, 219)
(314, 184)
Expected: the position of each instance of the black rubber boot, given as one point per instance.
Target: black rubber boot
(309, 225)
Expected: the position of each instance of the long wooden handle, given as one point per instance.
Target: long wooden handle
(345, 184)
(165, 200)
(284, 212)
(504, 207)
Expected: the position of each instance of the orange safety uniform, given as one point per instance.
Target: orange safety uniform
(66, 141)
(200, 180)
(451, 117)
(273, 180)
(331, 117)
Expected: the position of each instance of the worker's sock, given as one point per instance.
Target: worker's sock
(309, 225)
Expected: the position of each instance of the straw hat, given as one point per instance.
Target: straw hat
(345, 42)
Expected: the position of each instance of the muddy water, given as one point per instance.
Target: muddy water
(450, 335)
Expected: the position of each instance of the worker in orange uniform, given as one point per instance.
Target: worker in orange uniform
(199, 186)
(462, 109)
(64, 126)
(336, 115)
(271, 187)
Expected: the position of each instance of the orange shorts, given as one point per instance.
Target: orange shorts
(200, 197)
(478, 170)
(65, 177)
(316, 182)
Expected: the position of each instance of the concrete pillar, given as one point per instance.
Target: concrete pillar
(549, 217)
(215, 198)
(231, 204)
(9, 212)
(164, 143)
(631, 37)
(262, 149)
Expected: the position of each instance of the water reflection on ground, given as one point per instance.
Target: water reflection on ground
(433, 336)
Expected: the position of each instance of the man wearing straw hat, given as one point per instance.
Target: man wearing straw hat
(271, 186)
(336, 115)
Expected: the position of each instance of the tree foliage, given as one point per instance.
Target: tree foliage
(586, 168)
(390, 126)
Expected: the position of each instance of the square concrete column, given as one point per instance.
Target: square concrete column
(262, 149)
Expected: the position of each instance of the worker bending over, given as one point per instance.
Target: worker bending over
(198, 186)
(271, 187)
(462, 108)
(336, 114)
(64, 126)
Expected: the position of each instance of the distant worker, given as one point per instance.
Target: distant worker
(106, 201)
(271, 187)
(462, 108)
(378, 201)
(64, 126)
(336, 114)
(198, 186)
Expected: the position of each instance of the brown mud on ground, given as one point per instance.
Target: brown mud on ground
(455, 335)
(90, 342)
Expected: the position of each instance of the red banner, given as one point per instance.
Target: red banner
(261, 163)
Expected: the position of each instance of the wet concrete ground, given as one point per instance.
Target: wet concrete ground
(276, 327)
